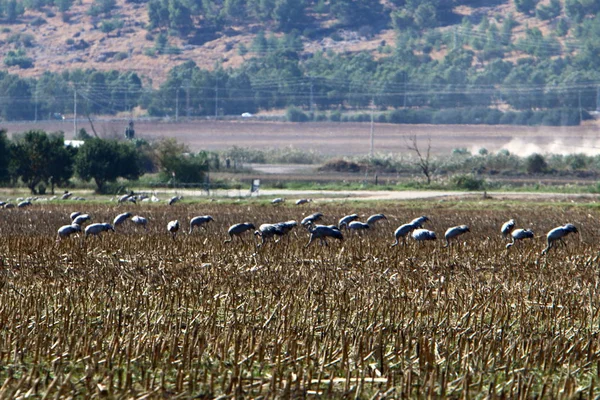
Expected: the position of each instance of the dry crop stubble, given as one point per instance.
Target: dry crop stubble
(136, 313)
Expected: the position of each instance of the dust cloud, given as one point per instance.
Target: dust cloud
(563, 146)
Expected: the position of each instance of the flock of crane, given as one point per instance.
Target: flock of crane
(265, 232)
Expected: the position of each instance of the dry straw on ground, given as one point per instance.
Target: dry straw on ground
(136, 314)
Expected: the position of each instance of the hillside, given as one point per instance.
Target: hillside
(56, 45)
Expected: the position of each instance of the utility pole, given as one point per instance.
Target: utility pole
(580, 112)
(36, 102)
(312, 109)
(217, 98)
(598, 99)
(177, 105)
(186, 85)
(74, 110)
(404, 75)
(372, 128)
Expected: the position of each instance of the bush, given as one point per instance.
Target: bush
(467, 182)
(536, 164)
(294, 114)
(450, 116)
(18, 58)
(341, 165)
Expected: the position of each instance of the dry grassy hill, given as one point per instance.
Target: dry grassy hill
(57, 45)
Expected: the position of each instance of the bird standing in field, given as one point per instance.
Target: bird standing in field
(403, 231)
(422, 235)
(374, 218)
(136, 219)
(302, 201)
(455, 232)
(119, 219)
(200, 222)
(238, 229)
(344, 221)
(173, 227)
(65, 195)
(519, 234)
(557, 234)
(507, 228)
(322, 232)
(82, 219)
(98, 228)
(312, 218)
(67, 230)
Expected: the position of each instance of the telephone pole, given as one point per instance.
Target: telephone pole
(372, 129)
(74, 110)
(217, 97)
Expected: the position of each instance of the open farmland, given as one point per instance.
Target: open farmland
(137, 314)
(343, 138)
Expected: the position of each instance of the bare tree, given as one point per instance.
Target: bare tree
(424, 161)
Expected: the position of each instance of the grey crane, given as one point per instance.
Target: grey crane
(200, 222)
(82, 219)
(302, 201)
(322, 232)
(98, 228)
(507, 228)
(67, 230)
(119, 219)
(358, 226)
(421, 235)
(519, 234)
(238, 229)
(557, 234)
(278, 200)
(136, 219)
(312, 218)
(454, 232)
(65, 195)
(375, 218)
(174, 199)
(125, 198)
(173, 228)
(267, 231)
(344, 221)
(24, 203)
(403, 231)
(74, 215)
(418, 222)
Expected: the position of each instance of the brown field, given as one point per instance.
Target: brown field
(136, 314)
(345, 138)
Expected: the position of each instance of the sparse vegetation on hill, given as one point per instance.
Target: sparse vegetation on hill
(518, 62)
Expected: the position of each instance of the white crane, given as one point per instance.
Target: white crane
(375, 218)
(403, 231)
(344, 221)
(454, 232)
(302, 201)
(238, 229)
(519, 234)
(98, 228)
(67, 230)
(200, 222)
(557, 234)
(421, 235)
(507, 228)
(322, 232)
(173, 228)
(136, 219)
(312, 218)
(82, 219)
(119, 219)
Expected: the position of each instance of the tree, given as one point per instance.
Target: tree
(39, 157)
(424, 161)
(288, 13)
(4, 156)
(106, 160)
(177, 164)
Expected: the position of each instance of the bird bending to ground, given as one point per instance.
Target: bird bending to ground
(344, 221)
(557, 234)
(173, 227)
(119, 219)
(238, 229)
(174, 199)
(374, 218)
(358, 226)
(24, 203)
(278, 200)
(65, 195)
(136, 219)
(403, 231)
(267, 231)
(200, 222)
(507, 227)
(421, 235)
(519, 234)
(98, 228)
(82, 219)
(74, 215)
(312, 218)
(322, 232)
(418, 222)
(67, 230)
(302, 201)
(455, 231)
